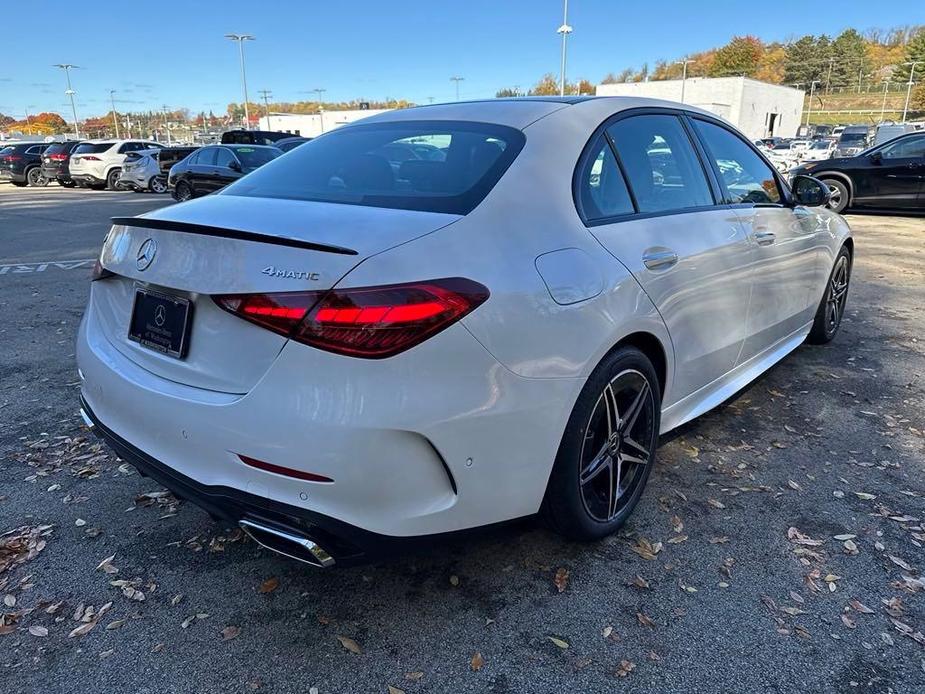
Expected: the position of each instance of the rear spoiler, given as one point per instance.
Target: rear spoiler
(222, 232)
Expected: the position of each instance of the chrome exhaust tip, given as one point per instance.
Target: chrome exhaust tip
(298, 547)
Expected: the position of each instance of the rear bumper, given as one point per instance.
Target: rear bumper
(7, 175)
(55, 173)
(87, 178)
(135, 179)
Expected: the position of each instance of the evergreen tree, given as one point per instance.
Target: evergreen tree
(850, 53)
(915, 49)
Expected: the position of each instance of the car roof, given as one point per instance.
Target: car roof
(519, 112)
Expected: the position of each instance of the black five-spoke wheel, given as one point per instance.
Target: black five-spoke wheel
(831, 309)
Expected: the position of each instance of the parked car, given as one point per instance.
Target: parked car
(288, 143)
(853, 140)
(141, 172)
(169, 156)
(212, 168)
(253, 137)
(56, 162)
(818, 150)
(838, 130)
(21, 164)
(98, 163)
(888, 176)
(361, 356)
(887, 131)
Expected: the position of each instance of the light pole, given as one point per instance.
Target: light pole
(565, 30)
(909, 87)
(457, 80)
(812, 92)
(266, 94)
(318, 92)
(167, 125)
(70, 92)
(886, 84)
(683, 63)
(241, 38)
(828, 78)
(115, 117)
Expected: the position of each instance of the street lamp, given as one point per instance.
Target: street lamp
(115, 118)
(241, 38)
(812, 92)
(683, 63)
(457, 80)
(70, 92)
(565, 30)
(909, 86)
(319, 91)
(266, 94)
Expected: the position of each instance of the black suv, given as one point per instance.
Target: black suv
(890, 176)
(55, 162)
(22, 164)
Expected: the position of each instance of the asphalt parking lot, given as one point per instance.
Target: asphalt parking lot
(778, 546)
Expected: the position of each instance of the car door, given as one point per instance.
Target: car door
(782, 239)
(689, 255)
(224, 171)
(893, 175)
(200, 173)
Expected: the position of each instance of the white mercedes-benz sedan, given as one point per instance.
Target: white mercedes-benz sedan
(450, 316)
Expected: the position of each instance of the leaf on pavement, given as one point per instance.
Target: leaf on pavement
(644, 620)
(561, 643)
(37, 630)
(230, 632)
(350, 644)
(626, 667)
(715, 503)
(561, 579)
(477, 662)
(269, 585)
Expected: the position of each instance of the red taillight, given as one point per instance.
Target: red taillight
(13, 157)
(57, 157)
(280, 470)
(367, 322)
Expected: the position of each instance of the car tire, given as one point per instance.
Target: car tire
(608, 448)
(157, 184)
(832, 307)
(35, 178)
(112, 179)
(183, 192)
(839, 195)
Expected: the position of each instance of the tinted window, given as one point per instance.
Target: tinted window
(252, 157)
(744, 175)
(909, 148)
(601, 189)
(852, 138)
(375, 164)
(59, 148)
(38, 149)
(660, 163)
(92, 147)
(223, 158)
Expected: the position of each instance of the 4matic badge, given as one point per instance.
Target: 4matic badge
(274, 271)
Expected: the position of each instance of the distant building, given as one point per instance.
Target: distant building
(313, 124)
(758, 109)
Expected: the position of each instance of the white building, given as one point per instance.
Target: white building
(758, 109)
(313, 124)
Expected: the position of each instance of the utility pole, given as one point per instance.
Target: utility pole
(241, 38)
(115, 116)
(70, 92)
(266, 94)
(683, 64)
(430, 100)
(565, 30)
(457, 80)
(909, 86)
(812, 92)
(167, 126)
(318, 92)
(886, 84)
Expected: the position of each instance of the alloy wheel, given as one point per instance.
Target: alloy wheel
(834, 197)
(36, 178)
(617, 445)
(158, 185)
(837, 295)
(184, 192)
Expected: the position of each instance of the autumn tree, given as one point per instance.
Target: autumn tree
(547, 86)
(508, 92)
(738, 57)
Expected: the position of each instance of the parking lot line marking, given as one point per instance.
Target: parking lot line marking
(28, 268)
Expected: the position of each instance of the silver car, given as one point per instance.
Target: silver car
(141, 172)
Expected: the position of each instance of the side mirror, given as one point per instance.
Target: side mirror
(234, 166)
(876, 157)
(809, 191)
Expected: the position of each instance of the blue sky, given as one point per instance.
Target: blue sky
(174, 53)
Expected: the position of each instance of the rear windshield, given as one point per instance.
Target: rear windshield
(58, 148)
(92, 148)
(252, 157)
(432, 166)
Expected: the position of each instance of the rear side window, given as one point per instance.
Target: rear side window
(223, 157)
(660, 163)
(92, 147)
(745, 176)
(601, 189)
(433, 166)
(910, 148)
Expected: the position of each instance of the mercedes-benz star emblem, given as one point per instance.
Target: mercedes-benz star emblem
(160, 315)
(146, 254)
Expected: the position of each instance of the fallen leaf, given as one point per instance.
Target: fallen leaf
(454, 581)
(607, 631)
(414, 676)
(644, 620)
(561, 579)
(719, 540)
(716, 504)
(559, 642)
(477, 662)
(626, 667)
(269, 585)
(865, 496)
(858, 606)
(900, 563)
(230, 632)
(350, 644)
(395, 690)
(640, 582)
(842, 538)
(677, 539)
(37, 630)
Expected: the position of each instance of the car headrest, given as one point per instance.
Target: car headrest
(368, 172)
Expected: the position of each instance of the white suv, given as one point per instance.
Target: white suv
(98, 163)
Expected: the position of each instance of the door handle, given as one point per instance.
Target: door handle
(657, 260)
(764, 238)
